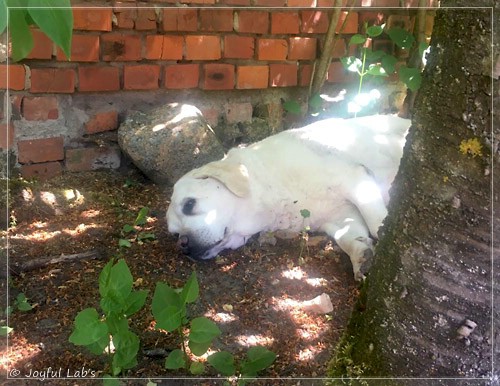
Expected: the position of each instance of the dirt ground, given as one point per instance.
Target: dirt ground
(253, 293)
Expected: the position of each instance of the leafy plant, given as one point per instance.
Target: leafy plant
(132, 233)
(109, 331)
(20, 303)
(54, 17)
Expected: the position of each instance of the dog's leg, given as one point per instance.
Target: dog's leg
(364, 192)
(352, 236)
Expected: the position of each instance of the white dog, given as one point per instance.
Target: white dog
(339, 170)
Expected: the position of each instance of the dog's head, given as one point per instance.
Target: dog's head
(204, 206)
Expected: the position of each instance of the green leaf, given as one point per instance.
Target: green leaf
(108, 380)
(146, 236)
(376, 70)
(126, 348)
(258, 358)
(389, 64)
(292, 106)
(374, 30)
(175, 360)
(351, 63)
(198, 349)
(135, 302)
(223, 362)
(22, 303)
(375, 55)
(357, 39)
(88, 328)
(411, 77)
(127, 228)
(3, 16)
(191, 289)
(104, 277)
(203, 330)
(124, 243)
(168, 308)
(305, 213)
(401, 37)
(141, 216)
(315, 102)
(116, 323)
(55, 18)
(115, 287)
(5, 330)
(20, 34)
(196, 368)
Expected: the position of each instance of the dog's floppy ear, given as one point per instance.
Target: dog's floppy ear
(233, 175)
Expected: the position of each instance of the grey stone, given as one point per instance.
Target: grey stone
(167, 142)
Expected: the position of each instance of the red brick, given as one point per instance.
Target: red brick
(305, 73)
(6, 136)
(180, 20)
(42, 171)
(272, 49)
(42, 46)
(164, 47)
(238, 2)
(282, 75)
(40, 108)
(371, 18)
(386, 3)
(40, 150)
(340, 48)
(218, 76)
(92, 158)
(182, 76)
(256, 22)
(146, 19)
(125, 17)
(220, 20)
(302, 48)
(211, 115)
(52, 80)
(284, 23)
(351, 25)
(141, 77)
(120, 47)
(315, 22)
(16, 102)
(269, 3)
(104, 121)
(239, 47)
(203, 47)
(16, 75)
(92, 19)
(338, 74)
(84, 48)
(198, 1)
(239, 112)
(401, 21)
(99, 78)
(250, 77)
(301, 3)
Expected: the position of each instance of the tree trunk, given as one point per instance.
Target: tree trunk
(426, 308)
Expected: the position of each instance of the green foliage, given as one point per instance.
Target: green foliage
(118, 303)
(133, 232)
(53, 17)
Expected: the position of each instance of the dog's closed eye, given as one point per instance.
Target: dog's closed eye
(188, 206)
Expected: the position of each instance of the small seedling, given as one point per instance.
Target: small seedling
(134, 232)
(109, 331)
(20, 303)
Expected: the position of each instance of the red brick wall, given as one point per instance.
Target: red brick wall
(135, 47)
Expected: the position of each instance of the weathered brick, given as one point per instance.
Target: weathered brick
(305, 73)
(180, 20)
(203, 47)
(219, 20)
(238, 2)
(40, 108)
(270, 3)
(338, 74)
(256, 22)
(121, 47)
(239, 112)
(301, 3)
(42, 171)
(351, 25)
(146, 19)
(6, 136)
(92, 19)
(40, 150)
(218, 76)
(282, 75)
(52, 80)
(205, 2)
(15, 79)
(272, 49)
(84, 48)
(164, 47)
(239, 47)
(401, 21)
(103, 121)
(141, 77)
(211, 115)
(93, 158)
(180, 76)
(302, 48)
(284, 23)
(314, 22)
(98, 78)
(125, 17)
(42, 48)
(252, 77)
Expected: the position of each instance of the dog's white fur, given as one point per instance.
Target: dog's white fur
(339, 170)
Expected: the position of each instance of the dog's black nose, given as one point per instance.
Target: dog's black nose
(183, 244)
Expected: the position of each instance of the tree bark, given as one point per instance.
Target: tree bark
(427, 304)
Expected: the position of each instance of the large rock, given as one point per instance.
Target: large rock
(168, 141)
